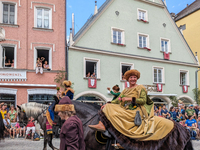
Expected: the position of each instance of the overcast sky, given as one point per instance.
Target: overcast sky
(83, 9)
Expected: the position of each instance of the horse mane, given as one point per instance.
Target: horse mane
(33, 109)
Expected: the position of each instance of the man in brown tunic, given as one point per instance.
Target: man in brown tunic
(71, 135)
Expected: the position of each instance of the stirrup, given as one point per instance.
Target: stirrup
(117, 145)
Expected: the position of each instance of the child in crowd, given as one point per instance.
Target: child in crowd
(18, 128)
(183, 122)
(115, 91)
(6, 122)
(30, 126)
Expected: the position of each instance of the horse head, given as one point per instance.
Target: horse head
(23, 119)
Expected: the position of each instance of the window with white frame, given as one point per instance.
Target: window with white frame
(125, 67)
(91, 68)
(142, 14)
(158, 75)
(8, 57)
(118, 36)
(9, 13)
(43, 18)
(184, 77)
(143, 40)
(165, 45)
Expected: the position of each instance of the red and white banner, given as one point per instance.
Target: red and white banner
(185, 88)
(166, 55)
(92, 83)
(127, 84)
(159, 87)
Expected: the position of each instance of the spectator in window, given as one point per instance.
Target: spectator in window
(88, 75)
(12, 114)
(8, 64)
(3, 110)
(12, 64)
(115, 91)
(123, 77)
(190, 112)
(30, 126)
(93, 75)
(39, 65)
(164, 112)
(45, 65)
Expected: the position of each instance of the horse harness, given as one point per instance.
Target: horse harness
(90, 119)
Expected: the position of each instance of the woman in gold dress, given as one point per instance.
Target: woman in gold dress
(119, 115)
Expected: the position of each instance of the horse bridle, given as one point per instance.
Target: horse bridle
(90, 119)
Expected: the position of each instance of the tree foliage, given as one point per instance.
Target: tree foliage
(174, 101)
(198, 95)
(60, 77)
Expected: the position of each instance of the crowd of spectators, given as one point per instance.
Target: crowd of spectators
(14, 129)
(187, 116)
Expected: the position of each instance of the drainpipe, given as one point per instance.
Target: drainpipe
(66, 47)
(196, 80)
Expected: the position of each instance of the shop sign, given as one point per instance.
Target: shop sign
(12, 75)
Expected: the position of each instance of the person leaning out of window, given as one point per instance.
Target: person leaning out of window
(39, 65)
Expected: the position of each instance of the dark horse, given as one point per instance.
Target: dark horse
(86, 112)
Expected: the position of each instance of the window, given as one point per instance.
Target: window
(91, 68)
(9, 13)
(43, 18)
(158, 75)
(8, 98)
(41, 98)
(125, 67)
(143, 40)
(184, 77)
(118, 36)
(8, 57)
(165, 45)
(45, 54)
(142, 15)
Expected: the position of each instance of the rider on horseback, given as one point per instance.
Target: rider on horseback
(119, 118)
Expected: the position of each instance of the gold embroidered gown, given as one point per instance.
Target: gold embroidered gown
(122, 117)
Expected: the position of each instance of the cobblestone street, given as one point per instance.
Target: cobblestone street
(21, 144)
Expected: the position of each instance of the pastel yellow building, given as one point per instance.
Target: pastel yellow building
(189, 24)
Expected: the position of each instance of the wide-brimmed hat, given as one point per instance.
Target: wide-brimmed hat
(67, 83)
(64, 104)
(132, 72)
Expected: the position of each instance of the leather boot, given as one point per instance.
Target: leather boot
(98, 127)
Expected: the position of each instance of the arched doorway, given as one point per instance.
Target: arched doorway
(159, 102)
(186, 100)
(91, 97)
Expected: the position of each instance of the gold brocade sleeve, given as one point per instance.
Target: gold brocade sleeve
(142, 99)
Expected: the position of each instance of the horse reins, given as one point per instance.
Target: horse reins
(41, 113)
(90, 119)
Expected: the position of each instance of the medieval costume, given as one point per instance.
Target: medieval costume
(69, 91)
(71, 135)
(153, 133)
